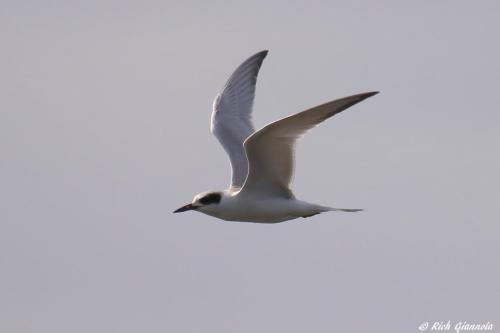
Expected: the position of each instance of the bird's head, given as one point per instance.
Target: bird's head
(202, 201)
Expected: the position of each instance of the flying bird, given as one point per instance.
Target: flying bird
(262, 161)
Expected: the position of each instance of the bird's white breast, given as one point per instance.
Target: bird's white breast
(272, 210)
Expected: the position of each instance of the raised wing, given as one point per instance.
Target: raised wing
(270, 150)
(232, 115)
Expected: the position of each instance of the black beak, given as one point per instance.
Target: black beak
(185, 208)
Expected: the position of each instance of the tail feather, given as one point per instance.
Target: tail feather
(317, 209)
(350, 210)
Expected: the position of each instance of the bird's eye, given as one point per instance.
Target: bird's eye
(210, 198)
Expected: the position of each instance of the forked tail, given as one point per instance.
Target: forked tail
(317, 209)
(350, 210)
(331, 209)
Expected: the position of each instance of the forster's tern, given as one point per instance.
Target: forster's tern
(261, 161)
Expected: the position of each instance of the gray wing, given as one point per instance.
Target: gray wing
(232, 115)
(270, 150)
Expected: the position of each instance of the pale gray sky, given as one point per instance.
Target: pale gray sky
(104, 126)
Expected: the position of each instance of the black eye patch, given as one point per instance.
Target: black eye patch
(211, 198)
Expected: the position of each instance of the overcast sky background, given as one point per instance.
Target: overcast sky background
(104, 127)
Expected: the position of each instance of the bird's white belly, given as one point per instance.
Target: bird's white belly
(261, 211)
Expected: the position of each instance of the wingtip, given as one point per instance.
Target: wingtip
(365, 95)
(263, 52)
(260, 56)
(371, 93)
